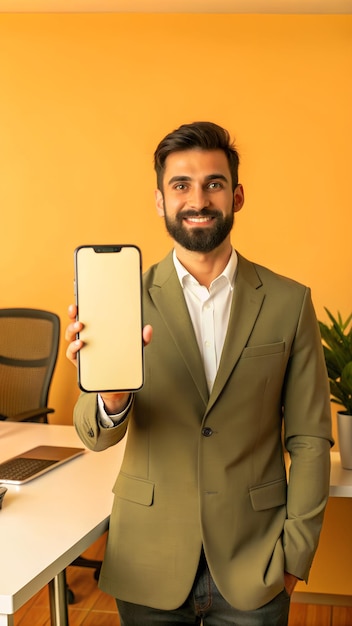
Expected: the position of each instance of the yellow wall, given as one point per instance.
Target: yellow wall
(85, 98)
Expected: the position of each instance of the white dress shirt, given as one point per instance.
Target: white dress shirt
(209, 310)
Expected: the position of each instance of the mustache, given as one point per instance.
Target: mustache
(202, 213)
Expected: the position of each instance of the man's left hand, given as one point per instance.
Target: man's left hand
(290, 582)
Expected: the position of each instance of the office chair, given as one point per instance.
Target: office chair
(29, 342)
(83, 561)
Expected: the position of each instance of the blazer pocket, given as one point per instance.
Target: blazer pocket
(134, 489)
(269, 495)
(266, 350)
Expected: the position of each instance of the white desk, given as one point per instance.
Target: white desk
(48, 522)
(340, 479)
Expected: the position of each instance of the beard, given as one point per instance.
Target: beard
(200, 239)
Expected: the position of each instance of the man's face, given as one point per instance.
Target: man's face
(197, 201)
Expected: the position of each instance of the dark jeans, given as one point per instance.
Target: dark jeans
(205, 605)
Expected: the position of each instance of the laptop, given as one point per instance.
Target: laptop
(35, 462)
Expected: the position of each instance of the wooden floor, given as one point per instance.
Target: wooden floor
(92, 607)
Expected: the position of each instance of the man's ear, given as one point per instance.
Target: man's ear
(159, 203)
(238, 198)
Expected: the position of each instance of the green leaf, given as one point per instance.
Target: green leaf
(337, 347)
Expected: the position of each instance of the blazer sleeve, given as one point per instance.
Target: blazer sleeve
(91, 432)
(307, 434)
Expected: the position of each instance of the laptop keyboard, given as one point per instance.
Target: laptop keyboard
(20, 469)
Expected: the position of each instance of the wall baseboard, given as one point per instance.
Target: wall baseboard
(332, 599)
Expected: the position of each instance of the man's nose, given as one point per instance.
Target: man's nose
(198, 198)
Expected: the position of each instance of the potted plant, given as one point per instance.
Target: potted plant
(337, 346)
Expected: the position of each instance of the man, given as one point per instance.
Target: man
(204, 525)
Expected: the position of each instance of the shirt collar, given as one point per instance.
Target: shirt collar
(228, 273)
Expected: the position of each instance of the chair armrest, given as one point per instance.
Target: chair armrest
(31, 416)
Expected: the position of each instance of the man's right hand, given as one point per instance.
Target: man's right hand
(113, 402)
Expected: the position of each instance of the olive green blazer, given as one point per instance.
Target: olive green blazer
(209, 470)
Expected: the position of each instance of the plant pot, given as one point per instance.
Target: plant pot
(344, 432)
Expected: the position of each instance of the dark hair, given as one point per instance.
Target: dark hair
(201, 135)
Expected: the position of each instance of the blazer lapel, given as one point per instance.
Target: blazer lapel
(246, 304)
(167, 295)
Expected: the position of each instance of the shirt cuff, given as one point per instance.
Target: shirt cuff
(109, 421)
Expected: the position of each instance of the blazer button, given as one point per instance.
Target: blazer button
(207, 432)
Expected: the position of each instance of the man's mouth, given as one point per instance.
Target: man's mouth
(199, 220)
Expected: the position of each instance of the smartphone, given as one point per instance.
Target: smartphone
(108, 281)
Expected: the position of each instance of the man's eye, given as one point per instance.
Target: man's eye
(215, 185)
(180, 186)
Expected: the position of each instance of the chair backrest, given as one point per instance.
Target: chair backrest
(29, 342)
